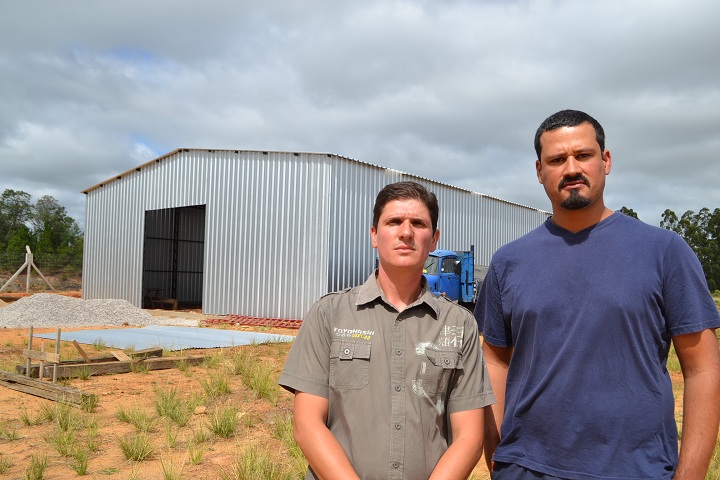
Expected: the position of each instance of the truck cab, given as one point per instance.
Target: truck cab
(451, 274)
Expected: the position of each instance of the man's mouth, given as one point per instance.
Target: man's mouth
(573, 182)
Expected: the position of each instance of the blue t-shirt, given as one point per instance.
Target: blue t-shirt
(591, 316)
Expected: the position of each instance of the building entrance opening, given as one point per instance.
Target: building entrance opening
(173, 252)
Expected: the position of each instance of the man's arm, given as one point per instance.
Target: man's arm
(322, 450)
(465, 450)
(498, 363)
(699, 357)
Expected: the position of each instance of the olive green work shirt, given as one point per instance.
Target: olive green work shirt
(391, 379)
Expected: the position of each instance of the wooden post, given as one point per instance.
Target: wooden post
(57, 352)
(29, 264)
(27, 372)
(41, 372)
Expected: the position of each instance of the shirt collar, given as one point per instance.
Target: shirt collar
(371, 291)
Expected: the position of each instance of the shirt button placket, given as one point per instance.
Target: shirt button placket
(397, 414)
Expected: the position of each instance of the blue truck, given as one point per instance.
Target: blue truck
(452, 274)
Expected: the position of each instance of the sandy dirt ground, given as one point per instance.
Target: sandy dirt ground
(19, 442)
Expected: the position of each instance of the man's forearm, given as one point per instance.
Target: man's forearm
(701, 414)
(464, 452)
(325, 454)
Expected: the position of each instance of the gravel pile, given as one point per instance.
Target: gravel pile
(50, 310)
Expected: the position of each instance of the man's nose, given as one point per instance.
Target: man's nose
(572, 166)
(406, 229)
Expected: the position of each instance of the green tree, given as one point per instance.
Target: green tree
(57, 235)
(17, 241)
(629, 212)
(702, 232)
(15, 211)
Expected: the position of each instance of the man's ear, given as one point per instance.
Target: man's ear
(607, 160)
(373, 237)
(538, 170)
(436, 237)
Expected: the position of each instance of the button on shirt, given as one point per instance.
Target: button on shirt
(391, 378)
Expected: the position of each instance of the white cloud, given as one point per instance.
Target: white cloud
(93, 89)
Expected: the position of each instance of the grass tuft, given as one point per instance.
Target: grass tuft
(223, 422)
(136, 447)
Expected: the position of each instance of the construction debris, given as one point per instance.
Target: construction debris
(254, 321)
(115, 362)
(51, 391)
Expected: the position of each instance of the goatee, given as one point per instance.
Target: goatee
(575, 201)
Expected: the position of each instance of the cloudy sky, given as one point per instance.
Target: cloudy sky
(447, 89)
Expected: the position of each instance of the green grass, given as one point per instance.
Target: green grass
(136, 447)
(36, 469)
(5, 464)
(283, 431)
(259, 376)
(168, 404)
(256, 463)
(216, 385)
(142, 420)
(224, 421)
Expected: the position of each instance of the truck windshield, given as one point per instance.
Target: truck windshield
(431, 266)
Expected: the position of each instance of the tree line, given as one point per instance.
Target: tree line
(701, 231)
(54, 238)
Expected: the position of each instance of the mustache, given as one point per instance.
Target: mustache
(578, 177)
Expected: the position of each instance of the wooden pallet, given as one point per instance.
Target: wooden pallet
(44, 389)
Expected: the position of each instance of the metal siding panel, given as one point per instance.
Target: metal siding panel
(281, 229)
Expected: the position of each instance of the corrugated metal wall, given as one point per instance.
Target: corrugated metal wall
(280, 229)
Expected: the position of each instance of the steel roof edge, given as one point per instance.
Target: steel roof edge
(182, 149)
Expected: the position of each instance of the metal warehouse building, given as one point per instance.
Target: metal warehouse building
(260, 233)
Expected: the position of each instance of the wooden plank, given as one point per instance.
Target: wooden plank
(111, 367)
(42, 389)
(106, 357)
(146, 353)
(81, 351)
(42, 356)
(120, 355)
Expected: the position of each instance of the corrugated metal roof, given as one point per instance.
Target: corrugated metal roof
(177, 150)
(168, 337)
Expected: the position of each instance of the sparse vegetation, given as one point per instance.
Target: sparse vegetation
(216, 385)
(136, 447)
(256, 462)
(256, 374)
(261, 431)
(169, 404)
(223, 422)
(5, 464)
(142, 420)
(37, 467)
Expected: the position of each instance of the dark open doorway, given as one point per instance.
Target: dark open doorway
(173, 252)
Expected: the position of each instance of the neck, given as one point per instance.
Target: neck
(402, 289)
(578, 220)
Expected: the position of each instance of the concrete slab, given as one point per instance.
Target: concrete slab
(167, 337)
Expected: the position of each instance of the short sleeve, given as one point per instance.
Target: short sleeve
(307, 365)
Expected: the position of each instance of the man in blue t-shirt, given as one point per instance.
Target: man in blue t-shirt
(578, 317)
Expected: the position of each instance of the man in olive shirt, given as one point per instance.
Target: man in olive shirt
(389, 379)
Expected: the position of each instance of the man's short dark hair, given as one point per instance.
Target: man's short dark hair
(403, 191)
(568, 118)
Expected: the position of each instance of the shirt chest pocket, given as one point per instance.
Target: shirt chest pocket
(439, 369)
(349, 364)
